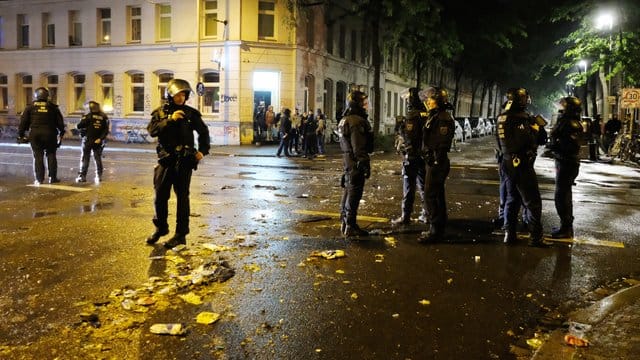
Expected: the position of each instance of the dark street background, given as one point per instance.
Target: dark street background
(68, 248)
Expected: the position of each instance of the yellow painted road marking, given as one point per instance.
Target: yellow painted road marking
(595, 242)
(615, 244)
(61, 187)
(337, 215)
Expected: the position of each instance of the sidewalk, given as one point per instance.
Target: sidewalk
(611, 326)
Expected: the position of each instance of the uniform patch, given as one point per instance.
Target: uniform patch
(409, 126)
(444, 130)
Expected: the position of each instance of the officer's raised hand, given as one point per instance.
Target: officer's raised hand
(177, 115)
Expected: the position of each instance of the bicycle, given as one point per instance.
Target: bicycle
(626, 147)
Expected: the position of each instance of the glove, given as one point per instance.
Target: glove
(59, 143)
(177, 115)
(365, 168)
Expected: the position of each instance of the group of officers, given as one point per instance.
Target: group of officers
(425, 136)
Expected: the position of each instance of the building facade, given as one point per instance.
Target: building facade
(237, 54)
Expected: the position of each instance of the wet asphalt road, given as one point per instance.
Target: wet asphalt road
(470, 297)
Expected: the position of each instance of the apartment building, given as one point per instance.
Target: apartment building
(237, 55)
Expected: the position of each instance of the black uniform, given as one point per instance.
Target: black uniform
(176, 161)
(518, 136)
(437, 136)
(93, 126)
(45, 124)
(356, 142)
(413, 165)
(565, 145)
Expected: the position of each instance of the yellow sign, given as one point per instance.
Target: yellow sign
(630, 98)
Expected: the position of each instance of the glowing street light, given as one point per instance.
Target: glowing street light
(605, 21)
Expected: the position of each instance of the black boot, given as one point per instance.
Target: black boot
(434, 234)
(510, 237)
(177, 239)
(563, 232)
(354, 230)
(153, 238)
(402, 220)
(538, 241)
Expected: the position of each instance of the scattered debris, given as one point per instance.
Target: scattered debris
(207, 317)
(328, 254)
(168, 329)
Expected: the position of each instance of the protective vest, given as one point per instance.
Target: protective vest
(438, 132)
(565, 137)
(517, 133)
(410, 130)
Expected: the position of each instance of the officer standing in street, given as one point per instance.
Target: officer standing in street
(518, 134)
(356, 142)
(413, 166)
(437, 135)
(94, 127)
(173, 124)
(565, 146)
(45, 124)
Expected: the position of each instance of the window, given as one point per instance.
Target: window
(137, 92)
(4, 94)
(266, 19)
(48, 31)
(1, 32)
(79, 95)
(211, 98)
(75, 29)
(330, 39)
(210, 18)
(51, 83)
(134, 17)
(25, 88)
(341, 41)
(163, 12)
(311, 39)
(163, 79)
(106, 91)
(395, 104)
(354, 45)
(388, 103)
(364, 47)
(23, 31)
(104, 26)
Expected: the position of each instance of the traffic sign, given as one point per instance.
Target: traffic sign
(630, 98)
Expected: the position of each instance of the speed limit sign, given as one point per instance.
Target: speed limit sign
(630, 98)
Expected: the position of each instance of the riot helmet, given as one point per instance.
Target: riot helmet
(94, 107)
(517, 99)
(41, 94)
(175, 86)
(571, 105)
(440, 95)
(356, 99)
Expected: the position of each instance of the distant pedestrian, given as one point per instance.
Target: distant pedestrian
(270, 119)
(294, 142)
(285, 133)
(94, 128)
(611, 130)
(565, 146)
(596, 134)
(437, 135)
(322, 125)
(356, 142)
(174, 125)
(45, 124)
(310, 138)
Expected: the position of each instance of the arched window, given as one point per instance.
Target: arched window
(51, 83)
(327, 99)
(136, 92)
(78, 90)
(105, 85)
(25, 91)
(163, 79)
(341, 98)
(4, 93)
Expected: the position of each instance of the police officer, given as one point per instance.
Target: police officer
(356, 142)
(45, 124)
(518, 136)
(565, 146)
(94, 128)
(174, 124)
(437, 135)
(413, 166)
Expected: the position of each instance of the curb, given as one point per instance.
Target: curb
(555, 348)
